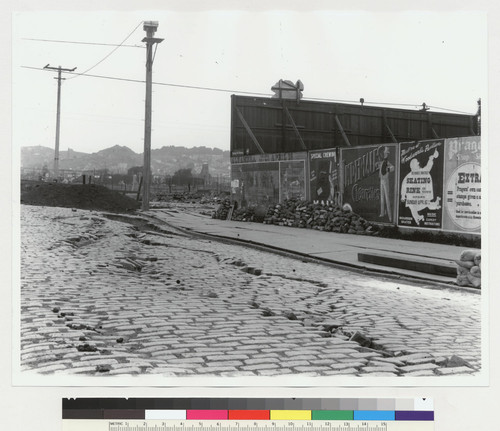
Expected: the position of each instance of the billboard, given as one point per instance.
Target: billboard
(462, 173)
(421, 184)
(369, 181)
(266, 179)
(292, 180)
(323, 175)
(255, 183)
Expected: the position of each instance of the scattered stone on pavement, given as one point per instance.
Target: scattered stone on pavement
(157, 302)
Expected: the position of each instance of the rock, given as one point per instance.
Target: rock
(119, 340)
(476, 271)
(86, 348)
(56, 310)
(331, 325)
(267, 312)
(361, 339)
(290, 315)
(127, 265)
(462, 280)
(465, 264)
(469, 255)
(455, 361)
(474, 281)
(103, 368)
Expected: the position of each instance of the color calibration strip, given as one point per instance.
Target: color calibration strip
(419, 409)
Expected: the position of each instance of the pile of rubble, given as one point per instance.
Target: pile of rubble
(321, 216)
(469, 268)
(223, 210)
(303, 214)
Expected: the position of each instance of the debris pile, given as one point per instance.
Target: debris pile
(469, 268)
(321, 216)
(222, 210)
(253, 214)
(303, 214)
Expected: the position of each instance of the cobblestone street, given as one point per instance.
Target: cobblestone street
(102, 297)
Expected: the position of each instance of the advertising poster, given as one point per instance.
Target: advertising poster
(323, 171)
(421, 184)
(255, 183)
(369, 181)
(292, 180)
(264, 179)
(462, 182)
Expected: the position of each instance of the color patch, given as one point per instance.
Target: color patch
(334, 415)
(249, 415)
(414, 415)
(298, 415)
(206, 414)
(166, 414)
(374, 415)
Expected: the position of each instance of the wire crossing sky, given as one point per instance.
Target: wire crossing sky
(399, 59)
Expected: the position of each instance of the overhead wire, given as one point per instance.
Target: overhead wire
(84, 43)
(76, 75)
(450, 110)
(251, 93)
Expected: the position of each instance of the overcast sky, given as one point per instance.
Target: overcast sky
(403, 57)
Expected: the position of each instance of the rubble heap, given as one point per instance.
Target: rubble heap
(469, 268)
(320, 216)
(223, 209)
(303, 214)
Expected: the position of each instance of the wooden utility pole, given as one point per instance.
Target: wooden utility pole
(150, 29)
(58, 118)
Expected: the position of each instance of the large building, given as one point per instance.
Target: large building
(262, 125)
(321, 151)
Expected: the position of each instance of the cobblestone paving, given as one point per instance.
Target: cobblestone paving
(100, 297)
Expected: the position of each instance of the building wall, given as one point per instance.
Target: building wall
(262, 125)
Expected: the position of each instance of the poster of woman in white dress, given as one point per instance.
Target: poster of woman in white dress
(421, 187)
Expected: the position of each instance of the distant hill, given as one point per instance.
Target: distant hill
(118, 159)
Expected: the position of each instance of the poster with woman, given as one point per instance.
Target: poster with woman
(421, 184)
(369, 181)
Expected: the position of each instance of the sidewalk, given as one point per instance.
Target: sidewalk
(333, 247)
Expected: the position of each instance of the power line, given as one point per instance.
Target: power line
(357, 101)
(450, 110)
(105, 57)
(194, 87)
(84, 43)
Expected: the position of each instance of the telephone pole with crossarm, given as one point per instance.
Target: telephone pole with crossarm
(58, 118)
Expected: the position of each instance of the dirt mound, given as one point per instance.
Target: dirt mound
(83, 196)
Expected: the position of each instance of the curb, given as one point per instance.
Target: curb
(341, 265)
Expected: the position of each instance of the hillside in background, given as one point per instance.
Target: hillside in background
(118, 159)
